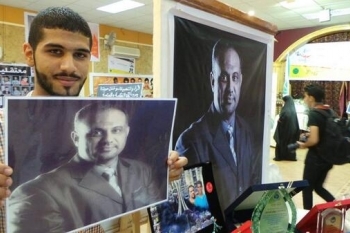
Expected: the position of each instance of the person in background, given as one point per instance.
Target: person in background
(146, 84)
(6, 80)
(15, 80)
(6, 91)
(58, 48)
(200, 201)
(287, 131)
(115, 80)
(16, 91)
(132, 80)
(191, 197)
(316, 168)
(221, 136)
(25, 91)
(126, 80)
(24, 81)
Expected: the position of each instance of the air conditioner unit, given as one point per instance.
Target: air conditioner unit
(122, 51)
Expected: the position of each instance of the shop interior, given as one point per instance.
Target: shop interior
(138, 55)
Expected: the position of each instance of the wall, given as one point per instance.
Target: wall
(287, 37)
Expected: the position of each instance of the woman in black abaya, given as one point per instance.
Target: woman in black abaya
(287, 131)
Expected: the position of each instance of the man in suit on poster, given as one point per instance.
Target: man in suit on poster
(96, 184)
(220, 135)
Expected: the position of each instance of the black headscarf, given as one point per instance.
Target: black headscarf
(287, 130)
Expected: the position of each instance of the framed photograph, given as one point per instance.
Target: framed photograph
(192, 204)
(28, 19)
(82, 161)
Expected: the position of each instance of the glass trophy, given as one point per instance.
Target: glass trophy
(331, 220)
(275, 212)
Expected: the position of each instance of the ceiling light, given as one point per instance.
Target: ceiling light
(332, 13)
(120, 6)
(251, 13)
(292, 4)
(324, 15)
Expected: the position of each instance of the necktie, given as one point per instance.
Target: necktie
(110, 175)
(231, 142)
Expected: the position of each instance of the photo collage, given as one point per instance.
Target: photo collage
(15, 80)
(192, 205)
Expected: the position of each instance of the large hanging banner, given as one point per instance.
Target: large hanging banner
(217, 90)
(320, 61)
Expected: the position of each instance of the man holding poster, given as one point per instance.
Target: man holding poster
(59, 51)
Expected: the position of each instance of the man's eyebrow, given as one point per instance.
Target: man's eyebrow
(53, 45)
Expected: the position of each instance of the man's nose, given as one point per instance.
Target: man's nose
(68, 63)
(108, 137)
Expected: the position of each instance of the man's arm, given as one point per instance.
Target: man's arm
(313, 138)
(32, 210)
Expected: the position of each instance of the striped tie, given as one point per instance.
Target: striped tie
(231, 142)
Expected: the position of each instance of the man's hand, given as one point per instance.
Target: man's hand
(5, 182)
(176, 164)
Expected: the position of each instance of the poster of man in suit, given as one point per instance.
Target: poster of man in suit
(78, 162)
(220, 81)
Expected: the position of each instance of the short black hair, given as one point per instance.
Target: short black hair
(88, 112)
(219, 48)
(57, 18)
(199, 182)
(315, 91)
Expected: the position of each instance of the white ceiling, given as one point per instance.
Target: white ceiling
(141, 19)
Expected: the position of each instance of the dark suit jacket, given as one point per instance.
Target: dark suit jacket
(74, 195)
(205, 140)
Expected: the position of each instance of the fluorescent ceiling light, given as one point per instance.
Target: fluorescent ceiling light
(333, 13)
(120, 6)
(292, 4)
(324, 15)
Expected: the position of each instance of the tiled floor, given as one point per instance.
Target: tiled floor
(337, 182)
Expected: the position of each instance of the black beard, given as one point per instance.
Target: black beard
(42, 80)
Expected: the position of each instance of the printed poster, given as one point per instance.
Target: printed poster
(61, 150)
(216, 90)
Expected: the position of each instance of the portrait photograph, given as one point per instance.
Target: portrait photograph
(220, 83)
(79, 162)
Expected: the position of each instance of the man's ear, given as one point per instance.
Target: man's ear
(212, 80)
(75, 138)
(127, 130)
(29, 54)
